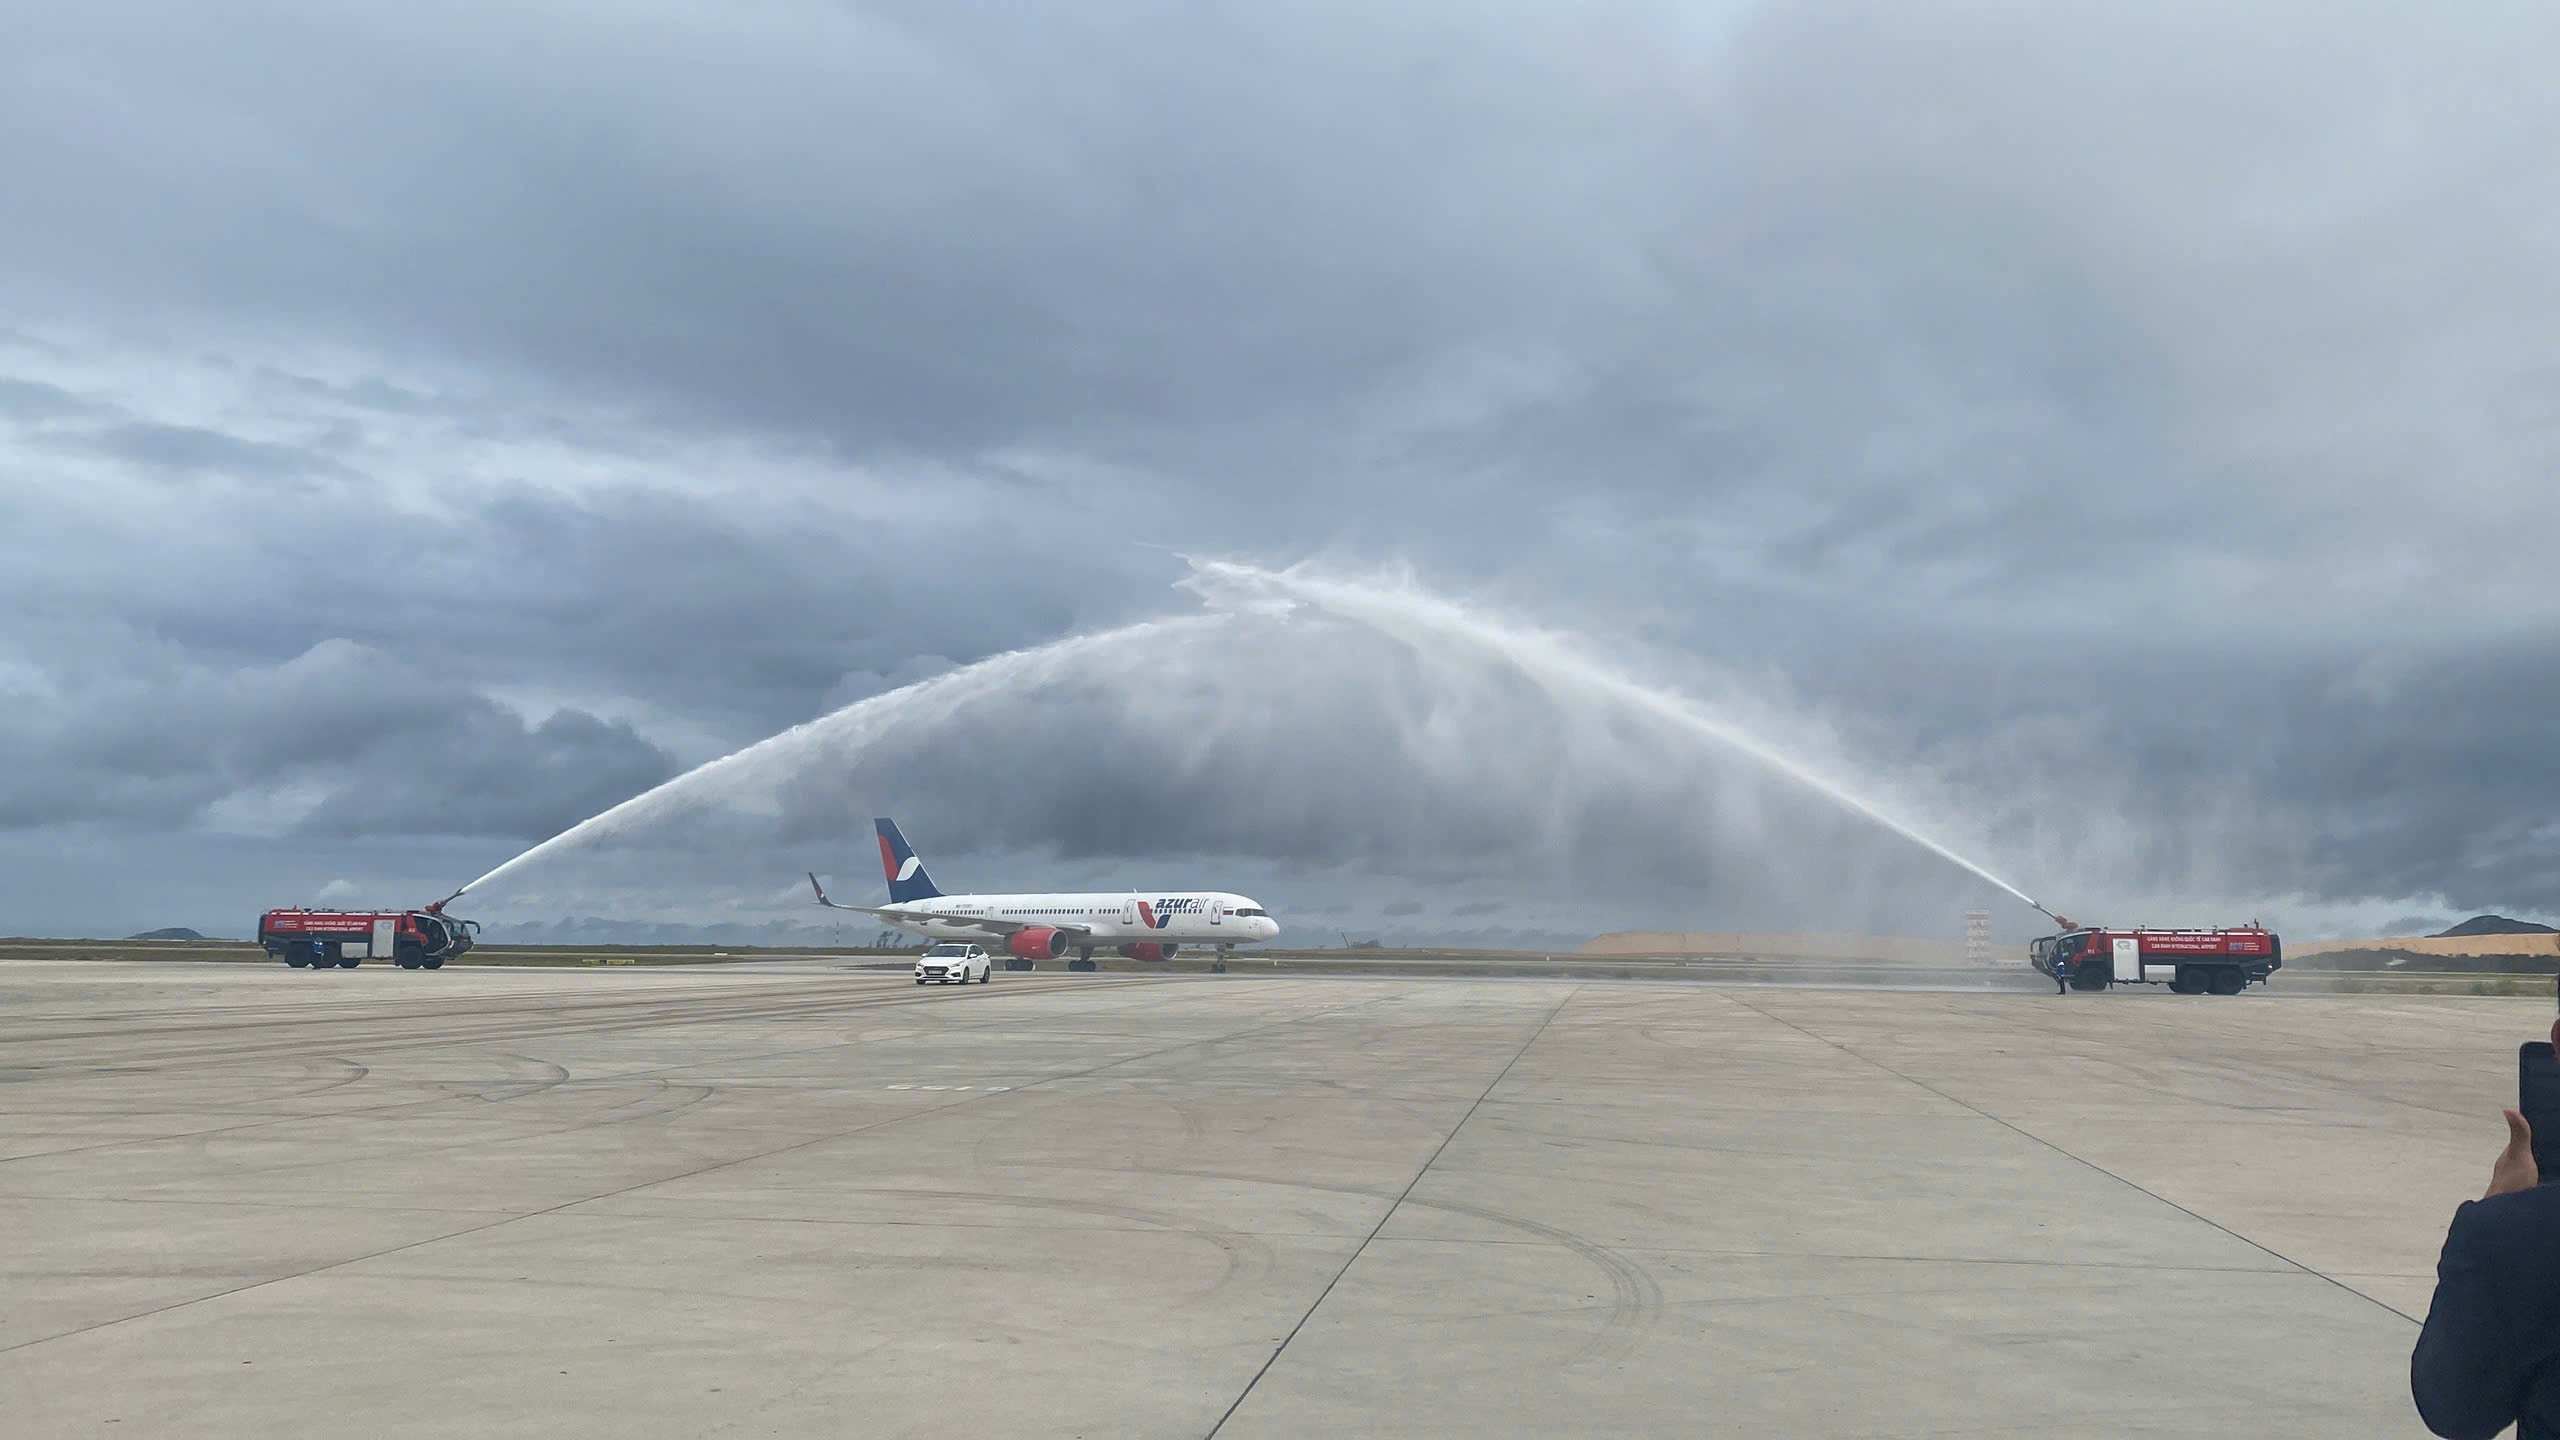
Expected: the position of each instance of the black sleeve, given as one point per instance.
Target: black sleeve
(2463, 1373)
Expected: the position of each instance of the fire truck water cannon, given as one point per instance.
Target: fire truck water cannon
(2189, 962)
(343, 939)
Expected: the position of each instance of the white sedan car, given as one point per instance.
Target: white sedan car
(947, 963)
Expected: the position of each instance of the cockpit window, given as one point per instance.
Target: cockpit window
(1249, 910)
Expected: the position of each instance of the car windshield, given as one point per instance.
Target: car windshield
(946, 952)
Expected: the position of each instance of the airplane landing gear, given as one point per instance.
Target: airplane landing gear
(1083, 960)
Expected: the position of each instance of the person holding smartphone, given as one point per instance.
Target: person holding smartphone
(2489, 1356)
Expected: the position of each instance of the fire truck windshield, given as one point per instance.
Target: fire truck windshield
(2062, 946)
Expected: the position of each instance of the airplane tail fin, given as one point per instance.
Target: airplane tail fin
(907, 880)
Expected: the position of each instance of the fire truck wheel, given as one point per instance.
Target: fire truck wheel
(349, 962)
(294, 959)
(432, 963)
(408, 956)
(2228, 981)
(2088, 977)
(2186, 982)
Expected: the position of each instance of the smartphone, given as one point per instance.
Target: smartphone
(2538, 1096)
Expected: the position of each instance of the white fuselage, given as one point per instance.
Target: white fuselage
(1196, 917)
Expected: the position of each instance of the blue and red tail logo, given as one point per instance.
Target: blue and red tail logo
(1148, 917)
(898, 862)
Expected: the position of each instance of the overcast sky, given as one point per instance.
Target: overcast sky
(2128, 435)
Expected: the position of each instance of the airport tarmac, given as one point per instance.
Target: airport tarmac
(801, 1200)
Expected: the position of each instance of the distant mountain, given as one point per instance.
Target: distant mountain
(174, 932)
(2496, 925)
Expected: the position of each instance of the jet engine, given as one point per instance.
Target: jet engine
(1149, 950)
(1042, 943)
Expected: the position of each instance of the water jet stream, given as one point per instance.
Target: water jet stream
(1236, 593)
(1409, 611)
(848, 728)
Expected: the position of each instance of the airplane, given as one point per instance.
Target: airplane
(1147, 927)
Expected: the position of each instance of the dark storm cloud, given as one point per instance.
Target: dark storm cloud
(340, 739)
(2437, 779)
(750, 609)
(1900, 291)
(2125, 399)
(33, 400)
(488, 774)
(931, 229)
(188, 449)
(2332, 777)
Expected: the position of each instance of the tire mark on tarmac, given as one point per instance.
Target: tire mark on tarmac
(349, 1073)
(2026, 1134)
(970, 1098)
(378, 1007)
(1636, 1302)
(893, 999)
(658, 1102)
(1240, 1251)
(2262, 1071)
(528, 1085)
(541, 1022)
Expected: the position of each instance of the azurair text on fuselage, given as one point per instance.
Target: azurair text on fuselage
(1143, 925)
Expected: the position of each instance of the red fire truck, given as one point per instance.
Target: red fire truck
(322, 939)
(2190, 962)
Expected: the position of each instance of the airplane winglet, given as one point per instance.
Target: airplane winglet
(821, 890)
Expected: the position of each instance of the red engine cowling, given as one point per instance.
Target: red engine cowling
(1042, 943)
(1149, 951)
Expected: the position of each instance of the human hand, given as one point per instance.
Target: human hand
(2514, 1169)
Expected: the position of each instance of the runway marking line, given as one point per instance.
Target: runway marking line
(1407, 1193)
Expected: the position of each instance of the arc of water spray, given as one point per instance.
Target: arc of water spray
(1235, 587)
(851, 724)
(1406, 609)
